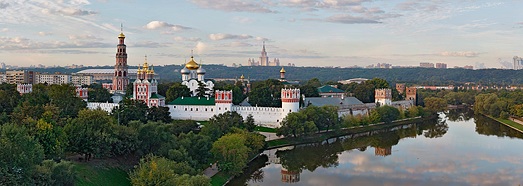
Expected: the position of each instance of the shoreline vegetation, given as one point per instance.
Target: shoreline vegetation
(508, 122)
(325, 135)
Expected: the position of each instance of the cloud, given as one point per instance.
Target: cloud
(349, 19)
(200, 47)
(44, 33)
(242, 20)
(261, 39)
(83, 37)
(68, 11)
(460, 54)
(153, 25)
(20, 43)
(4, 29)
(183, 39)
(234, 5)
(4, 5)
(149, 44)
(221, 36)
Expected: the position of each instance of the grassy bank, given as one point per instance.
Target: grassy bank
(318, 137)
(508, 123)
(219, 179)
(96, 175)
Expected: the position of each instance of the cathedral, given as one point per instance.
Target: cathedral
(193, 75)
(264, 60)
(145, 87)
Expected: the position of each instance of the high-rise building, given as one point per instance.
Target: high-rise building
(19, 77)
(426, 65)
(441, 65)
(120, 78)
(264, 60)
(2, 65)
(52, 79)
(80, 79)
(518, 63)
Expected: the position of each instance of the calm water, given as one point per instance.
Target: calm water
(456, 149)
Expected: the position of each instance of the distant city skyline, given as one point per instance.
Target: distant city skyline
(341, 33)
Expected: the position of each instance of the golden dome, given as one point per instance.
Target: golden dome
(192, 65)
(121, 35)
(151, 71)
(282, 70)
(139, 70)
(242, 77)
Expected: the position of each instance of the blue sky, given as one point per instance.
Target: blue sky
(304, 32)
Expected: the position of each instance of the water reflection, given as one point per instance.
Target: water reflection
(437, 152)
(461, 114)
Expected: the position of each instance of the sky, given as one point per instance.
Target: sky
(335, 33)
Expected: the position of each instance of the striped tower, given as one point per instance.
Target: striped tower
(290, 100)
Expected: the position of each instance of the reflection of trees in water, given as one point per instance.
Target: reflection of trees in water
(310, 157)
(437, 130)
(487, 126)
(462, 114)
(253, 172)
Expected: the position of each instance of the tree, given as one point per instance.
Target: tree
(309, 91)
(434, 104)
(266, 93)
(159, 114)
(9, 98)
(52, 138)
(177, 90)
(99, 94)
(388, 113)
(249, 123)
(230, 153)
(19, 155)
(154, 170)
(130, 110)
(152, 136)
(222, 124)
(53, 173)
(202, 89)
(89, 133)
(64, 97)
(314, 82)
(292, 125)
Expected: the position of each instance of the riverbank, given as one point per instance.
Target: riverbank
(324, 135)
(509, 123)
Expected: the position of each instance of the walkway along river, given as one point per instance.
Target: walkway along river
(458, 148)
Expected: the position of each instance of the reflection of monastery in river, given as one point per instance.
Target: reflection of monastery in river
(289, 176)
(382, 151)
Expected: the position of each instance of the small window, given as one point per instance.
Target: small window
(196, 109)
(225, 108)
(185, 109)
(191, 109)
(212, 110)
(205, 109)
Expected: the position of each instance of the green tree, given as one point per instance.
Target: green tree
(52, 138)
(266, 93)
(154, 170)
(435, 104)
(130, 110)
(202, 90)
(9, 98)
(231, 153)
(177, 90)
(53, 173)
(314, 82)
(99, 94)
(309, 91)
(222, 124)
(293, 125)
(388, 113)
(19, 155)
(64, 97)
(249, 123)
(89, 133)
(159, 114)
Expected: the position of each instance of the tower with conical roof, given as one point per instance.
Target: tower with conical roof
(120, 78)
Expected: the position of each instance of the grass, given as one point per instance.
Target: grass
(94, 175)
(511, 123)
(219, 179)
(265, 129)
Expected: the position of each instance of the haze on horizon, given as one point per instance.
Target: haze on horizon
(304, 32)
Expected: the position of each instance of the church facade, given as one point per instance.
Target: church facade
(193, 76)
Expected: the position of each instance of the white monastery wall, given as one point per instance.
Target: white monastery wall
(108, 107)
(192, 112)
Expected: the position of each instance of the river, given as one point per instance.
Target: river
(458, 148)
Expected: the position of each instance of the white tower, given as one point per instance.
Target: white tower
(290, 100)
(383, 96)
(223, 100)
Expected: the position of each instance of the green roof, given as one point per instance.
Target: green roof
(193, 101)
(156, 96)
(329, 89)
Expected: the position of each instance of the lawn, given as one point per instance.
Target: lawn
(265, 129)
(94, 175)
(512, 123)
(219, 179)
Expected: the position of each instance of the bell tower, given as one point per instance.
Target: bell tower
(120, 78)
